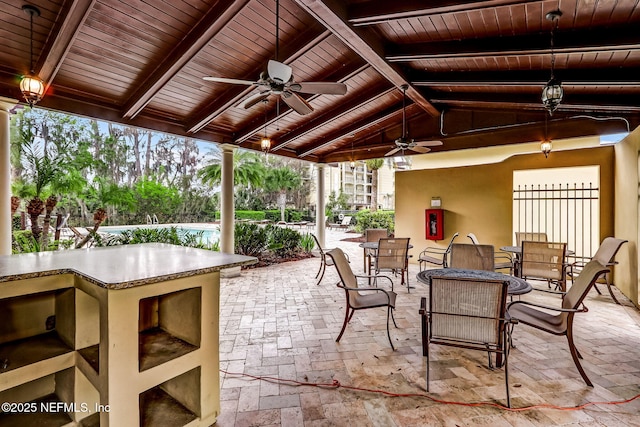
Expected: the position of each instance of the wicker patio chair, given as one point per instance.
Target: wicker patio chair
(474, 257)
(361, 298)
(559, 320)
(435, 255)
(467, 313)
(544, 261)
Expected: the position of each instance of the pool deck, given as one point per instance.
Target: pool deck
(274, 321)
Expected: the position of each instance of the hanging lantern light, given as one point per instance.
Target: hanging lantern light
(31, 86)
(545, 147)
(265, 142)
(552, 93)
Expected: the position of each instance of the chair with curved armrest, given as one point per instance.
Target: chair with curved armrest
(560, 320)
(324, 261)
(502, 260)
(435, 255)
(361, 298)
(606, 254)
(467, 313)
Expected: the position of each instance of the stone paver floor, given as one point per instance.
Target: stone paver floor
(276, 322)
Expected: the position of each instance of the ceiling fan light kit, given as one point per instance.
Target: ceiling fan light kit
(404, 142)
(278, 80)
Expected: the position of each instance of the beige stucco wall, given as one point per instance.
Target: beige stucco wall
(627, 213)
(478, 199)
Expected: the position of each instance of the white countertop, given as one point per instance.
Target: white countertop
(119, 267)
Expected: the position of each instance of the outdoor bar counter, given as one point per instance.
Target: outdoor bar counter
(115, 336)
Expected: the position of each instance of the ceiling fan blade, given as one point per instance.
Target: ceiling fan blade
(325, 88)
(419, 149)
(255, 98)
(279, 72)
(428, 143)
(232, 81)
(392, 152)
(297, 103)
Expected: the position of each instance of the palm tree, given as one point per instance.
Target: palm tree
(281, 180)
(247, 169)
(373, 165)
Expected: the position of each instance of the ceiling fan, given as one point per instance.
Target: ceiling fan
(278, 80)
(404, 142)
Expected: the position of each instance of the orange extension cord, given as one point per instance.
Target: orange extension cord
(336, 384)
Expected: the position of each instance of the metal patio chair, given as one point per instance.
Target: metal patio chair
(435, 255)
(361, 298)
(559, 320)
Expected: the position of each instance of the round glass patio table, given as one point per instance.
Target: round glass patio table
(517, 285)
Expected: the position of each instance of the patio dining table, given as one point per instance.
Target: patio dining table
(517, 285)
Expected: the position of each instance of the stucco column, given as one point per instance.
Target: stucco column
(226, 200)
(6, 104)
(321, 219)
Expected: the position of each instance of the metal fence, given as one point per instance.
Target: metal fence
(568, 213)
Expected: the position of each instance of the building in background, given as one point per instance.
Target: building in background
(356, 182)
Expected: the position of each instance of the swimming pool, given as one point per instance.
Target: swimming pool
(210, 232)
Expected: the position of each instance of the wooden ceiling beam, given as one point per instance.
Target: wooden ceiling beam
(368, 97)
(232, 97)
(211, 23)
(355, 128)
(333, 15)
(609, 77)
(619, 104)
(381, 11)
(607, 40)
(88, 105)
(65, 30)
(345, 73)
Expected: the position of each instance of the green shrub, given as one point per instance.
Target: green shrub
(307, 243)
(251, 215)
(282, 241)
(380, 219)
(250, 239)
(290, 215)
(293, 216)
(171, 235)
(24, 242)
(272, 215)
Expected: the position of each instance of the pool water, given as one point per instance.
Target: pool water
(210, 232)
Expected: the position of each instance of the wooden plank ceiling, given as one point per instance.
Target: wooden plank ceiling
(474, 69)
